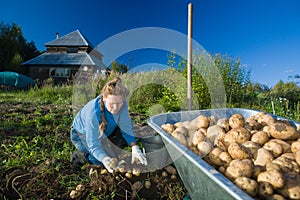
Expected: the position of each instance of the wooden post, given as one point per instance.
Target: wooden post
(189, 56)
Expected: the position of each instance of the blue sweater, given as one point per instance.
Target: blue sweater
(87, 122)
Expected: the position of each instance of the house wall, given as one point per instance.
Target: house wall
(41, 73)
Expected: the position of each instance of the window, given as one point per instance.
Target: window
(72, 50)
(59, 72)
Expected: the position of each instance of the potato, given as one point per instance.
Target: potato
(265, 189)
(275, 148)
(252, 147)
(219, 142)
(224, 123)
(262, 157)
(180, 137)
(260, 137)
(200, 122)
(213, 132)
(274, 177)
(280, 130)
(238, 151)
(225, 158)
(169, 128)
(204, 148)
(213, 156)
(184, 131)
(257, 169)
(265, 119)
(213, 120)
(291, 188)
(287, 163)
(275, 197)
(286, 146)
(253, 123)
(297, 157)
(271, 165)
(239, 135)
(249, 185)
(295, 146)
(197, 137)
(239, 168)
(236, 120)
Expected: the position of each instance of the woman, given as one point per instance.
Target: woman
(103, 127)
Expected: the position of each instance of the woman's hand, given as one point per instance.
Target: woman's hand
(106, 163)
(137, 154)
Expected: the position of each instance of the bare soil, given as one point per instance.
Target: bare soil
(55, 178)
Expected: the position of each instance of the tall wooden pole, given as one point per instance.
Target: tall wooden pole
(189, 55)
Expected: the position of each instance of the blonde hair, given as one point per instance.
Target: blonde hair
(113, 87)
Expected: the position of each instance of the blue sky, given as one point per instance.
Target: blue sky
(263, 34)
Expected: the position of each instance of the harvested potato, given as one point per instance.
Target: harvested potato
(265, 189)
(252, 147)
(184, 131)
(169, 128)
(257, 169)
(275, 197)
(297, 157)
(204, 148)
(219, 142)
(275, 148)
(287, 163)
(213, 156)
(295, 146)
(238, 151)
(274, 177)
(271, 165)
(279, 130)
(286, 146)
(249, 185)
(197, 137)
(262, 157)
(224, 123)
(180, 137)
(239, 168)
(236, 120)
(213, 132)
(239, 135)
(253, 123)
(260, 137)
(291, 188)
(265, 119)
(225, 158)
(213, 120)
(200, 122)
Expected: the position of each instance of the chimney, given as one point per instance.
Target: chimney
(57, 35)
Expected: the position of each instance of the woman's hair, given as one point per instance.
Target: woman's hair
(113, 87)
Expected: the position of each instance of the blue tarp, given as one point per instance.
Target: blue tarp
(15, 79)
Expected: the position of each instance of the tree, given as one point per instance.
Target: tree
(13, 48)
(121, 68)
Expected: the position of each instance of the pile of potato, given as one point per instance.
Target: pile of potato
(260, 154)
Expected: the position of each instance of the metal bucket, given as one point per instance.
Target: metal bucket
(156, 153)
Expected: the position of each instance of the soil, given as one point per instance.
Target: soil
(56, 178)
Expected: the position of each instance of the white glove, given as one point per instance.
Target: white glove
(106, 162)
(137, 154)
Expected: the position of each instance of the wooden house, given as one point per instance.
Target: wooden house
(64, 57)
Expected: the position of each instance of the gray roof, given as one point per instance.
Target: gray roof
(65, 59)
(74, 38)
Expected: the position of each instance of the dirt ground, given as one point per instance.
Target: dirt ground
(56, 178)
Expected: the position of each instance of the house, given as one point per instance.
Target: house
(64, 57)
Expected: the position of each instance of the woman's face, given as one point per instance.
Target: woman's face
(113, 103)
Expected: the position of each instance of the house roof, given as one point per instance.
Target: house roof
(65, 59)
(74, 38)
